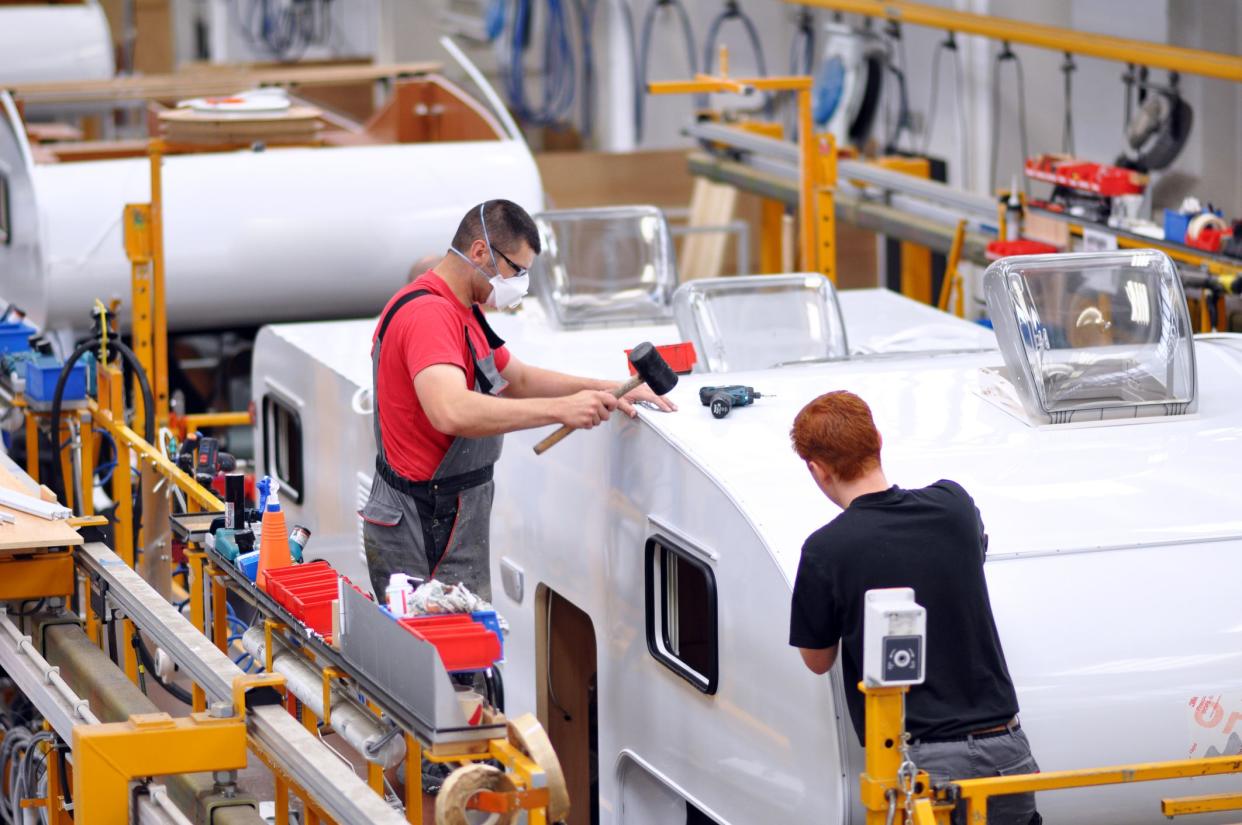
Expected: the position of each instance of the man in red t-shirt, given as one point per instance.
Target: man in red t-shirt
(446, 392)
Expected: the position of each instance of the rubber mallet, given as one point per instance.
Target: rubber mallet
(651, 369)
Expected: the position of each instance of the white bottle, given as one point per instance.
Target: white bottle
(399, 594)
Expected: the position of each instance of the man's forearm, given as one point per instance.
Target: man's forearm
(540, 383)
(476, 415)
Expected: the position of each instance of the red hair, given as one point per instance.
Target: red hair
(837, 430)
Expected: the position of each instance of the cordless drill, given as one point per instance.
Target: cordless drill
(720, 400)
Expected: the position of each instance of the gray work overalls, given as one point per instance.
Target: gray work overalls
(437, 528)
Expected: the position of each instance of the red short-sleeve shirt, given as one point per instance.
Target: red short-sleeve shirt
(429, 330)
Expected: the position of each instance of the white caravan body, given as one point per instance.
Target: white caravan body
(250, 237)
(1114, 561)
(44, 43)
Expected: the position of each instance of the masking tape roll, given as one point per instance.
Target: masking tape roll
(464, 783)
(1202, 221)
(528, 736)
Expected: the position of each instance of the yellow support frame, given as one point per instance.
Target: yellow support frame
(886, 724)
(816, 217)
(1138, 52)
(108, 756)
(38, 576)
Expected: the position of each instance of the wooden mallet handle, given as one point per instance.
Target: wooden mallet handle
(543, 446)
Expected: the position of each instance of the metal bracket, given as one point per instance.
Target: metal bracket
(254, 690)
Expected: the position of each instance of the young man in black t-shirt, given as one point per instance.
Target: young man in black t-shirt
(963, 719)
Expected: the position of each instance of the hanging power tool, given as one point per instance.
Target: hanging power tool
(1158, 130)
(721, 400)
(210, 461)
(846, 93)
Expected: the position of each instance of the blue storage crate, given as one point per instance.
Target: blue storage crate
(248, 563)
(42, 372)
(1175, 225)
(15, 336)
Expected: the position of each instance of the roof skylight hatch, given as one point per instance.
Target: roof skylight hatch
(1091, 337)
(612, 265)
(760, 321)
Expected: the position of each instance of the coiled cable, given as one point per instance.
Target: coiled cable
(949, 44)
(644, 57)
(1006, 55)
(558, 65)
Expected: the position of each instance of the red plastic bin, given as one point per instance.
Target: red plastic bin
(680, 357)
(290, 590)
(314, 609)
(281, 578)
(463, 644)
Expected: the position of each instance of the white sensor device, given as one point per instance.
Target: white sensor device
(894, 638)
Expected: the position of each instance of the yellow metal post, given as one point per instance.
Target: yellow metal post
(32, 444)
(885, 709)
(127, 646)
(825, 204)
(413, 781)
(108, 756)
(815, 256)
(159, 318)
(282, 800)
(139, 250)
(952, 283)
(87, 451)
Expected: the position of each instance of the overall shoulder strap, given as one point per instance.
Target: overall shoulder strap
(493, 340)
(392, 312)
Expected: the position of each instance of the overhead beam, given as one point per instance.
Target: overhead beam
(1089, 44)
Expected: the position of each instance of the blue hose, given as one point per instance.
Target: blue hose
(559, 70)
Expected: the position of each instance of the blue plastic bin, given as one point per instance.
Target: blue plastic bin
(1175, 225)
(248, 563)
(15, 336)
(42, 371)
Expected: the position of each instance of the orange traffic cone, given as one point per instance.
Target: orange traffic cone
(273, 538)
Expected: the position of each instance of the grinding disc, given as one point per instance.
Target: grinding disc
(464, 783)
(528, 736)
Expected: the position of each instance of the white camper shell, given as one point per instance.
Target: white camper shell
(646, 566)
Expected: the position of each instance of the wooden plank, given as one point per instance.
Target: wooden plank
(31, 532)
(200, 83)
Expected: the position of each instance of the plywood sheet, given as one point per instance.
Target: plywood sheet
(31, 532)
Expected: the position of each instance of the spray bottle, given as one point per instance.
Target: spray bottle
(274, 536)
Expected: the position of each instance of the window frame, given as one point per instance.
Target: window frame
(658, 645)
(273, 402)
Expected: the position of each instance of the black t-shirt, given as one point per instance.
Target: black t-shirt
(933, 541)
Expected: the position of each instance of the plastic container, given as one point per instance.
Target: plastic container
(1175, 225)
(42, 372)
(314, 609)
(289, 590)
(248, 563)
(680, 357)
(15, 336)
(464, 643)
(279, 580)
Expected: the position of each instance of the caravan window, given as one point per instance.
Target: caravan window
(681, 613)
(282, 446)
(6, 231)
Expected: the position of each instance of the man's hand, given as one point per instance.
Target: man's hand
(644, 393)
(586, 409)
